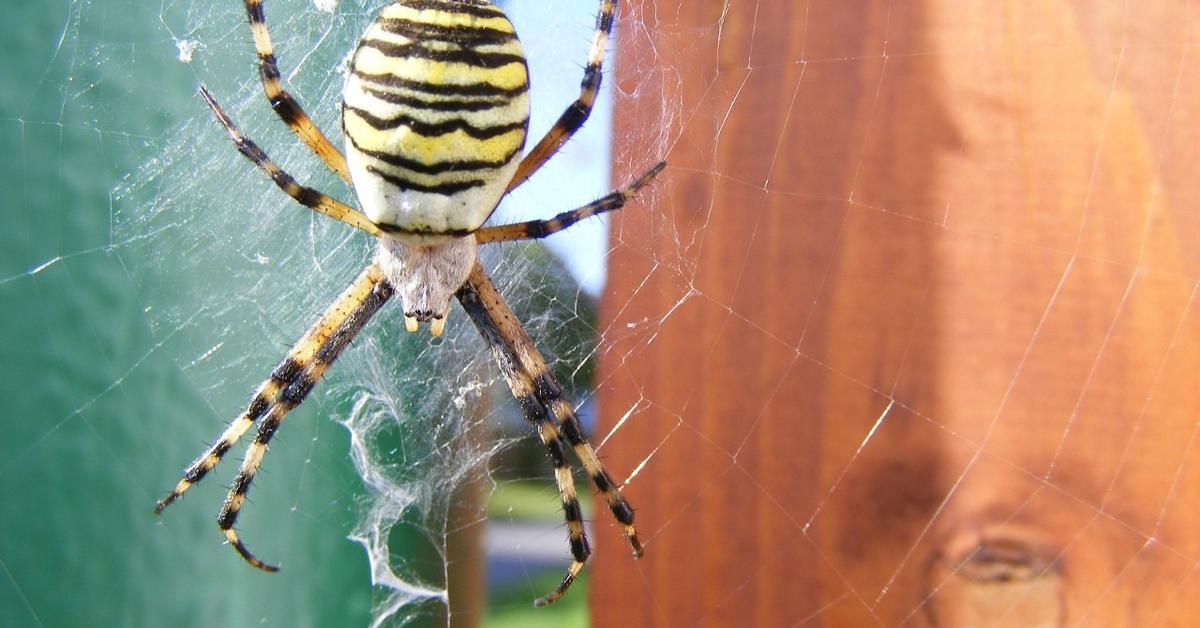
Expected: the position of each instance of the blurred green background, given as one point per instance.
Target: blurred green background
(104, 409)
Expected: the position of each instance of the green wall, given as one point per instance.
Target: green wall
(150, 278)
(99, 416)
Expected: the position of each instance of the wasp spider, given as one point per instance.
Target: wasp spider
(435, 112)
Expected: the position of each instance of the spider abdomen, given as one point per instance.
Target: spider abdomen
(435, 110)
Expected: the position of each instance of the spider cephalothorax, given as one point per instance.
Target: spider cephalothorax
(426, 276)
(435, 112)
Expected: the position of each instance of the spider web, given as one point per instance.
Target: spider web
(417, 411)
(229, 273)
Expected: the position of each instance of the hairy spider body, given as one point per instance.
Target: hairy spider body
(426, 277)
(435, 113)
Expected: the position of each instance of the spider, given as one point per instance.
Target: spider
(435, 112)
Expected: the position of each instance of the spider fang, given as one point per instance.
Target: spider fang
(437, 324)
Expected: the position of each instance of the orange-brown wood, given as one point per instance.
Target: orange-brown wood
(908, 332)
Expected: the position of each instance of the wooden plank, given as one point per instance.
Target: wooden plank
(909, 331)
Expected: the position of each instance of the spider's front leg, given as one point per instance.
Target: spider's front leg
(287, 387)
(532, 367)
(357, 311)
(539, 395)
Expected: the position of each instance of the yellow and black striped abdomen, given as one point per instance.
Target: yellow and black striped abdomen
(435, 110)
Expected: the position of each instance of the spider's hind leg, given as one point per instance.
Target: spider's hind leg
(282, 102)
(309, 197)
(577, 112)
(536, 229)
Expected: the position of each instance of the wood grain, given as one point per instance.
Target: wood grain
(909, 331)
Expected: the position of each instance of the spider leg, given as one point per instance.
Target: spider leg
(306, 196)
(536, 413)
(534, 367)
(285, 374)
(551, 394)
(577, 112)
(282, 102)
(536, 390)
(536, 229)
(353, 309)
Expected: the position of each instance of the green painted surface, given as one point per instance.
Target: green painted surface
(111, 387)
(99, 417)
